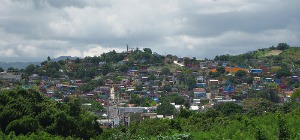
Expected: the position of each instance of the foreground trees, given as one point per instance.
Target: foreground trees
(28, 111)
(224, 121)
(27, 114)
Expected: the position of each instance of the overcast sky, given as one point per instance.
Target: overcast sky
(31, 30)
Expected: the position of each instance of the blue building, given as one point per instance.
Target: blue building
(201, 85)
(255, 71)
(229, 89)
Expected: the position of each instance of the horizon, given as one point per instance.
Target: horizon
(60, 57)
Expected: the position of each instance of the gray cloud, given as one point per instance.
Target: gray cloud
(31, 30)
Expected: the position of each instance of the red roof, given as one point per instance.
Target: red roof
(199, 90)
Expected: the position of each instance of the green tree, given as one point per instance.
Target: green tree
(184, 113)
(138, 87)
(1, 69)
(283, 73)
(167, 88)
(249, 80)
(282, 46)
(23, 125)
(147, 50)
(296, 96)
(257, 106)
(229, 108)
(28, 111)
(166, 109)
(221, 69)
(97, 106)
(283, 131)
(151, 77)
(165, 71)
(75, 108)
(191, 82)
(123, 68)
(77, 61)
(259, 135)
(48, 58)
(241, 73)
(61, 62)
(30, 69)
(106, 68)
(179, 100)
(12, 69)
(135, 117)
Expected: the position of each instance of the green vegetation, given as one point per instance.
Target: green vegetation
(28, 112)
(228, 121)
(283, 55)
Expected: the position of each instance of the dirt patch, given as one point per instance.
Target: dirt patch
(273, 52)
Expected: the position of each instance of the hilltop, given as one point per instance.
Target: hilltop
(288, 57)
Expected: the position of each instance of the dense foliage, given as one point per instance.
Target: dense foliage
(224, 121)
(24, 112)
(27, 114)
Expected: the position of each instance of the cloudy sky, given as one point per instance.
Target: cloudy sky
(31, 30)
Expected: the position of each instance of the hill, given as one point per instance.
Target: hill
(64, 58)
(18, 65)
(23, 65)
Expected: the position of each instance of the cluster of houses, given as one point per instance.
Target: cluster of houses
(10, 76)
(208, 89)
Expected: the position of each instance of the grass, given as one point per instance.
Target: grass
(264, 53)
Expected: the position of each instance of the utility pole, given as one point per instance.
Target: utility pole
(127, 49)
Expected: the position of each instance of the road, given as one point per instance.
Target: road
(113, 114)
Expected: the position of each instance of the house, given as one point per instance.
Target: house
(103, 91)
(108, 82)
(255, 71)
(34, 77)
(228, 89)
(200, 82)
(157, 73)
(213, 82)
(199, 93)
(264, 69)
(149, 115)
(10, 77)
(133, 72)
(78, 82)
(171, 80)
(201, 85)
(200, 79)
(226, 101)
(295, 78)
(225, 63)
(256, 79)
(269, 80)
(196, 101)
(125, 82)
(194, 108)
(102, 63)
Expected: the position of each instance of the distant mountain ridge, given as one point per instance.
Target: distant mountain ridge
(63, 58)
(23, 65)
(18, 65)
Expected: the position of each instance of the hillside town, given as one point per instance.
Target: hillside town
(139, 81)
